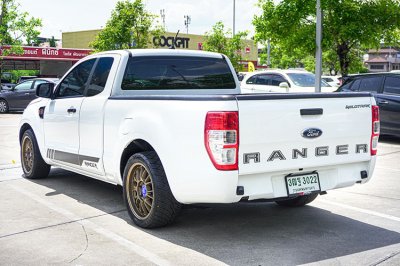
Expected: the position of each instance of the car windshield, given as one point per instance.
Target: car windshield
(305, 80)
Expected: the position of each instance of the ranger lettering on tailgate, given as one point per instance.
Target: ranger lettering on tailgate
(303, 152)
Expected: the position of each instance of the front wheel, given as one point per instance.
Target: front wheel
(32, 162)
(147, 194)
(298, 201)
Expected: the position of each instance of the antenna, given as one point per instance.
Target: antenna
(173, 43)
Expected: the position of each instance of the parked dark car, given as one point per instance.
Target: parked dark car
(18, 98)
(6, 84)
(386, 89)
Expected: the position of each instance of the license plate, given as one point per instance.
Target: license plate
(302, 184)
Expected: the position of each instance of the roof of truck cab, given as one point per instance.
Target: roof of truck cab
(162, 52)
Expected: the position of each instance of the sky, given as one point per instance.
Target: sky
(75, 15)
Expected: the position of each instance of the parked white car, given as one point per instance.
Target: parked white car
(281, 81)
(332, 80)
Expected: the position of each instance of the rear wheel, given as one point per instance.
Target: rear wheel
(147, 194)
(3, 106)
(32, 162)
(298, 201)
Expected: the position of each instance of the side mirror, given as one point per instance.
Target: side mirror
(45, 90)
(284, 85)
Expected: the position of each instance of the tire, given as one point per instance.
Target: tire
(147, 194)
(298, 201)
(32, 163)
(3, 106)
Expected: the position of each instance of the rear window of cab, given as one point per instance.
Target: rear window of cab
(177, 73)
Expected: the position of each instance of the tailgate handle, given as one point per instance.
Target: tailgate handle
(312, 111)
(71, 110)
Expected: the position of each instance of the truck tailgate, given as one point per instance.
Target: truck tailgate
(271, 129)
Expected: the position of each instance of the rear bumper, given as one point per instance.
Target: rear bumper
(222, 188)
(273, 185)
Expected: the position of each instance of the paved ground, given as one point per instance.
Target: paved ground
(9, 152)
(71, 219)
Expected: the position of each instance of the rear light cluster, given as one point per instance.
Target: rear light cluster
(221, 138)
(375, 129)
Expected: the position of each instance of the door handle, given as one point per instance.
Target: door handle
(383, 102)
(71, 110)
(27, 93)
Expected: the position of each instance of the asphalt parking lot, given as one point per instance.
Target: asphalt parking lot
(71, 219)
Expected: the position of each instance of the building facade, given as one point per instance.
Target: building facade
(50, 62)
(383, 60)
(82, 39)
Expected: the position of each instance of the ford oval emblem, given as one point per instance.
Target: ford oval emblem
(311, 133)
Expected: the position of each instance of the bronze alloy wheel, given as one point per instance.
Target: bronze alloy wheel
(147, 195)
(140, 191)
(27, 154)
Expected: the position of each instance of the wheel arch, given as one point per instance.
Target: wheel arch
(135, 146)
(22, 130)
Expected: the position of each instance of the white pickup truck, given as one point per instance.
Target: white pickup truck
(172, 128)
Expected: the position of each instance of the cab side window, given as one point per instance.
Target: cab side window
(100, 76)
(75, 82)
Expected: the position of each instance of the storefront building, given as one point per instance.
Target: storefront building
(51, 62)
(82, 39)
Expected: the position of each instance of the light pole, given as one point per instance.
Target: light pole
(234, 15)
(318, 54)
(187, 22)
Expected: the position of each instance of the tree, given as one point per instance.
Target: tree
(280, 58)
(348, 25)
(217, 40)
(52, 42)
(130, 26)
(16, 28)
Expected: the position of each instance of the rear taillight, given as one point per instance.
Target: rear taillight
(375, 129)
(221, 138)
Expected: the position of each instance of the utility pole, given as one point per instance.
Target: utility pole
(234, 16)
(187, 22)
(318, 55)
(162, 13)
